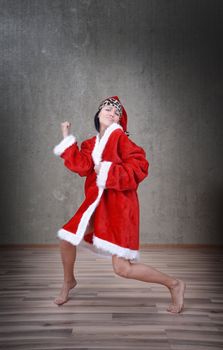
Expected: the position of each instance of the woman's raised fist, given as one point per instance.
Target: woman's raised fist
(65, 127)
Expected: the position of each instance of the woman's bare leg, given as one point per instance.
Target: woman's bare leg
(68, 256)
(146, 273)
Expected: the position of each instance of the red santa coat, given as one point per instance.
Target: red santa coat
(108, 219)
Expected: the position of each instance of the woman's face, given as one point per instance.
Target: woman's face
(108, 115)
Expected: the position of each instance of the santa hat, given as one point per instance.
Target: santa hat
(114, 101)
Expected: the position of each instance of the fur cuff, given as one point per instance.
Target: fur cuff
(64, 144)
(103, 174)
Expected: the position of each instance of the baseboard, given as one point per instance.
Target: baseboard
(142, 246)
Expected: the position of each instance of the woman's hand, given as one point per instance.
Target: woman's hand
(65, 127)
(97, 168)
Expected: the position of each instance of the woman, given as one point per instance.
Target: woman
(108, 219)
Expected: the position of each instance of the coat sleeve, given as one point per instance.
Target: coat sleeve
(75, 159)
(127, 174)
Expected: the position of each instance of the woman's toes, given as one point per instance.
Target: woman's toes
(63, 296)
(175, 308)
(60, 301)
(169, 307)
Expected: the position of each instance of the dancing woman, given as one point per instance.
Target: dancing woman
(108, 219)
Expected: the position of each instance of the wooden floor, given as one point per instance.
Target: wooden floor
(107, 311)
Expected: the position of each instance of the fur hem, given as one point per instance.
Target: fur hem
(103, 173)
(89, 247)
(64, 144)
(100, 247)
(68, 236)
(76, 237)
(112, 248)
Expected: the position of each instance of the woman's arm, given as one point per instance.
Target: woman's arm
(129, 173)
(75, 159)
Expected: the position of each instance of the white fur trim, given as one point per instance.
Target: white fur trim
(94, 250)
(67, 236)
(101, 247)
(103, 173)
(100, 144)
(116, 249)
(64, 144)
(75, 238)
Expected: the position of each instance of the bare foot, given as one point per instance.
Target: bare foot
(63, 296)
(177, 294)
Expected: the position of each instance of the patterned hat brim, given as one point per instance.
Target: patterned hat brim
(111, 102)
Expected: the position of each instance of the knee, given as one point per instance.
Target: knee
(66, 245)
(121, 266)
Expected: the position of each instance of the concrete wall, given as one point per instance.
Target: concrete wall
(59, 59)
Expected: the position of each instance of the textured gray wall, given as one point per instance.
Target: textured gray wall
(163, 59)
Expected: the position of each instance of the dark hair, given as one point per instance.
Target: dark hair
(97, 123)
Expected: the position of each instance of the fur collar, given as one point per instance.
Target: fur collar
(100, 144)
